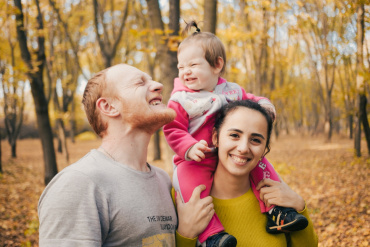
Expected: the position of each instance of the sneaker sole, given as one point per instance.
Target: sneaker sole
(293, 226)
(228, 242)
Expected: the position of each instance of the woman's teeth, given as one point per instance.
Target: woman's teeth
(239, 160)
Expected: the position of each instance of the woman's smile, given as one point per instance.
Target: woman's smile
(239, 159)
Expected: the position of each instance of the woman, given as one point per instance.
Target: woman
(242, 136)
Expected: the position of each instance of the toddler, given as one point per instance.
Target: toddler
(199, 92)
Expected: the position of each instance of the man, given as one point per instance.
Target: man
(112, 196)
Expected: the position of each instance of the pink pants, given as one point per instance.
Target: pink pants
(189, 174)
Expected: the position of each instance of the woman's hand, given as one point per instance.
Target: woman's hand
(194, 215)
(279, 193)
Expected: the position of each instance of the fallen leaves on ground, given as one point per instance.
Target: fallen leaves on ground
(333, 183)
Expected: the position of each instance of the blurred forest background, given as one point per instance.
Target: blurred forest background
(310, 57)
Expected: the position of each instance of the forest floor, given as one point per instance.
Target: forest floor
(334, 184)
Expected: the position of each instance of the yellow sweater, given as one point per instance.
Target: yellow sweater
(242, 218)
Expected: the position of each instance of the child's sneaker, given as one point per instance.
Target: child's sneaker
(282, 220)
(221, 239)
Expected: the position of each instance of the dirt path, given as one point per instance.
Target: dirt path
(333, 183)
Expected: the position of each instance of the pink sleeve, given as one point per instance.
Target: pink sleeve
(252, 97)
(264, 102)
(176, 132)
(264, 169)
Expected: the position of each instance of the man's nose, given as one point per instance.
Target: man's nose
(156, 86)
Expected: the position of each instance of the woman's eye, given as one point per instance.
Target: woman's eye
(234, 135)
(255, 140)
(193, 64)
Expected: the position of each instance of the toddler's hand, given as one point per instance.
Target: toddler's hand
(270, 109)
(197, 151)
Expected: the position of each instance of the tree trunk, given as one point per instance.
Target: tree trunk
(62, 136)
(166, 57)
(1, 164)
(210, 16)
(262, 55)
(72, 130)
(359, 77)
(329, 119)
(277, 127)
(350, 126)
(35, 76)
(46, 134)
(59, 144)
(13, 123)
(13, 105)
(357, 138)
(108, 47)
(72, 122)
(13, 146)
(273, 47)
(364, 121)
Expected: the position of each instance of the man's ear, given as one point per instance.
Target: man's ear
(106, 107)
(219, 65)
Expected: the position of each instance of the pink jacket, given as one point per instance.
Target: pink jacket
(196, 113)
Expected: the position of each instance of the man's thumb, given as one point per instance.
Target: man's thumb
(197, 191)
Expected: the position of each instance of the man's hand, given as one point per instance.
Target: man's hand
(197, 151)
(195, 215)
(279, 193)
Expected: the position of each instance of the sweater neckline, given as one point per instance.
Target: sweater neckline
(242, 198)
(149, 173)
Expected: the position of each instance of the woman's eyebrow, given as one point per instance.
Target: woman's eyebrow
(259, 135)
(236, 130)
(253, 134)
